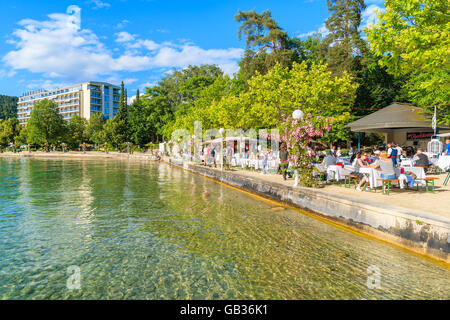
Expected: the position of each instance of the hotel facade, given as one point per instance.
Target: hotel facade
(82, 99)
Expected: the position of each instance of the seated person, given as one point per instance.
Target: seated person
(403, 155)
(387, 167)
(421, 160)
(357, 164)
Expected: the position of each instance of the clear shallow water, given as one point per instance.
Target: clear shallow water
(149, 231)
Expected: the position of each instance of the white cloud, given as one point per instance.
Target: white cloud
(130, 80)
(98, 4)
(369, 15)
(124, 37)
(60, 49)
(122, 24)
(323, 31)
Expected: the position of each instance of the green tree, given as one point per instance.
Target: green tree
(262, 31)
(282, 91)
(46, 125)
(76, 132)
(22, 137)
(266, 43)
(412, 35)
(94, 129)
(312, 50)
(138, 123)
(377, 88)
(411, 38)
(112, 134)
(9, 129)
(8, 107)
(344, 40)
(121, 125)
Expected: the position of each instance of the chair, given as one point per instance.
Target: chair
(447, 179)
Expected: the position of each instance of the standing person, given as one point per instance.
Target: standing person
(213, 156)
(265, 161)
(284, 162)
(351, 152)
(333, 149)
(392, 153)
(205, 156)
(447, 148)
(338, 152)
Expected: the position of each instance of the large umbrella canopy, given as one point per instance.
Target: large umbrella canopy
(395, 116)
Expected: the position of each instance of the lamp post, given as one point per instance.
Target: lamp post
(221, 131)
(297, 114)
(193, 147)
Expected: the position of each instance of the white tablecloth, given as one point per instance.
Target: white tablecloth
(444, 162)
(257, 164)
(407, 163)
(338, 171)
(375, 174)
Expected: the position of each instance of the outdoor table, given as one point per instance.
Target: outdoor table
(418, 171)
(444, 163)
(373, 176)
(336, 172)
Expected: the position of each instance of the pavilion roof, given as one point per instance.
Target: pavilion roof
(395, 116)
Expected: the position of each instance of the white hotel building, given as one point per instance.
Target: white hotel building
(82, 99)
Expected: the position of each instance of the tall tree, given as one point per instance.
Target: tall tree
(76, 132)
(412, 39)
(262, 31)
(94, 129)
(344, 40)
(121, 126)
(266, 43)
(9, 129)
(46, 124)
(8, 107)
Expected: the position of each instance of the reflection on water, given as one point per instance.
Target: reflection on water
(149, 231)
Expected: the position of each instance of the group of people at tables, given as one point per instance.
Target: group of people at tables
(385, 162)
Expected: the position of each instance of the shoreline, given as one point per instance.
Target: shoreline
(419, 232)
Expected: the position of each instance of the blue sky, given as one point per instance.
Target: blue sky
(47, 44)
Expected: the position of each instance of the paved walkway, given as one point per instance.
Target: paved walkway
(437, 203)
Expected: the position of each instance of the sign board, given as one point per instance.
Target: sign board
(419, 135)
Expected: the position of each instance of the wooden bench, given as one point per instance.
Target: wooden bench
(428, 180)
(387, 183)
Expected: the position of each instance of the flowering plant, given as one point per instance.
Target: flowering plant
(298, 134)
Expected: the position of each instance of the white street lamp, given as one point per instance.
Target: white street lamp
(297, 114)
(221, 130)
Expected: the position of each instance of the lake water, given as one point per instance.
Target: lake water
(139, 230)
